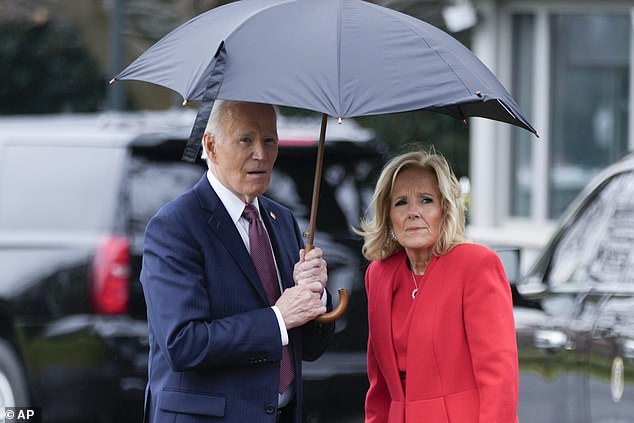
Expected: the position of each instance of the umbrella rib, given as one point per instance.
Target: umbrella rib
(444, 61)
(422, 36)
(254, 14)
(339, 70)
(506, 108)
(462, 115)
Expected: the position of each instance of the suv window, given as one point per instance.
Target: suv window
(350, 170)
(153, 182)
(58, 188)
(597, 246)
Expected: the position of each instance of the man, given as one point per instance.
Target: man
(224, 344)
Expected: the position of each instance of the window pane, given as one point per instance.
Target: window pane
(589, 75)
(523, 54)
(597, 246)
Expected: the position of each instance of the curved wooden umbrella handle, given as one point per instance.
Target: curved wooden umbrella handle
(338, 311)
(341, 307)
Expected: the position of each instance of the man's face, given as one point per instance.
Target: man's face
(243, 154)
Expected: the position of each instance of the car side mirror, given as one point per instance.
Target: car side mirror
(532, 287)
(526, 291)
(510, 258)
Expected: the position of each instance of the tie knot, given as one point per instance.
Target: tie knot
(250, 213)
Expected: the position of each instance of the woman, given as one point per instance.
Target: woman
(441, 345)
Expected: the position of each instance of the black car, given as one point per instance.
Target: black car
(76, 192)
(574, 311)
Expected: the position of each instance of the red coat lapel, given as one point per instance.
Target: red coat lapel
(381, 324)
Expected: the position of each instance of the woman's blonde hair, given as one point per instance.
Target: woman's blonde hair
(378, 244)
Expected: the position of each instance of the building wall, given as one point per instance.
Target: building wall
(568, 64)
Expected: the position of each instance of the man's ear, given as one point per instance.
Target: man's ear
(210, 146)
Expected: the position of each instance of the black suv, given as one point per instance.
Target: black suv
(76, 192)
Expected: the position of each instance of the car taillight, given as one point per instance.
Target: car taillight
(111, 276)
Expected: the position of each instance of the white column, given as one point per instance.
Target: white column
(482, 132)
(541, 113)
(631, 102)
(504, 158)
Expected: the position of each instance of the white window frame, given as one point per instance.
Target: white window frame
(540, 114)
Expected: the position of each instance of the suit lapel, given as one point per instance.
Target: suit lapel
(221, 224)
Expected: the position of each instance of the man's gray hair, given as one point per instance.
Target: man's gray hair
(213, 124)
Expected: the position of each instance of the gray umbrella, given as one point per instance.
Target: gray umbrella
(343, 58)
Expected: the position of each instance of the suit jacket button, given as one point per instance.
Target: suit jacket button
(269, 408)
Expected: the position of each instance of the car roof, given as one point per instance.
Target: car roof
(154, 127)
(625, 164)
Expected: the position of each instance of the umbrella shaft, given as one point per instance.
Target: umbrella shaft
(317, 182)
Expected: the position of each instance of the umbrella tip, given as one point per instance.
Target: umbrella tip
(184, 103)
(339, 120)
(112, 81)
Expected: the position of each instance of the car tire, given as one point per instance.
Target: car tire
(13, 387)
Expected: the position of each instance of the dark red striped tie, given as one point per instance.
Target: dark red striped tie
(262, 257)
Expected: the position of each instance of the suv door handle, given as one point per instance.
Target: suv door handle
(605, 332)
(628, 350)
(552, 340)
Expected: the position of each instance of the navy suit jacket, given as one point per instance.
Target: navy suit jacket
(215, 343)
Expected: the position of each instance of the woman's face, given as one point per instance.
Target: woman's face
(416, 212)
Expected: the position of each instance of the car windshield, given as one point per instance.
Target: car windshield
(58, 188)
(596, 246)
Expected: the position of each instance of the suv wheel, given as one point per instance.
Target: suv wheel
(12, 381)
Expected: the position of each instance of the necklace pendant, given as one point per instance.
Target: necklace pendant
(414, 292)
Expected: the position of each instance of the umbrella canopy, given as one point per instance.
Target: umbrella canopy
(344, 58)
